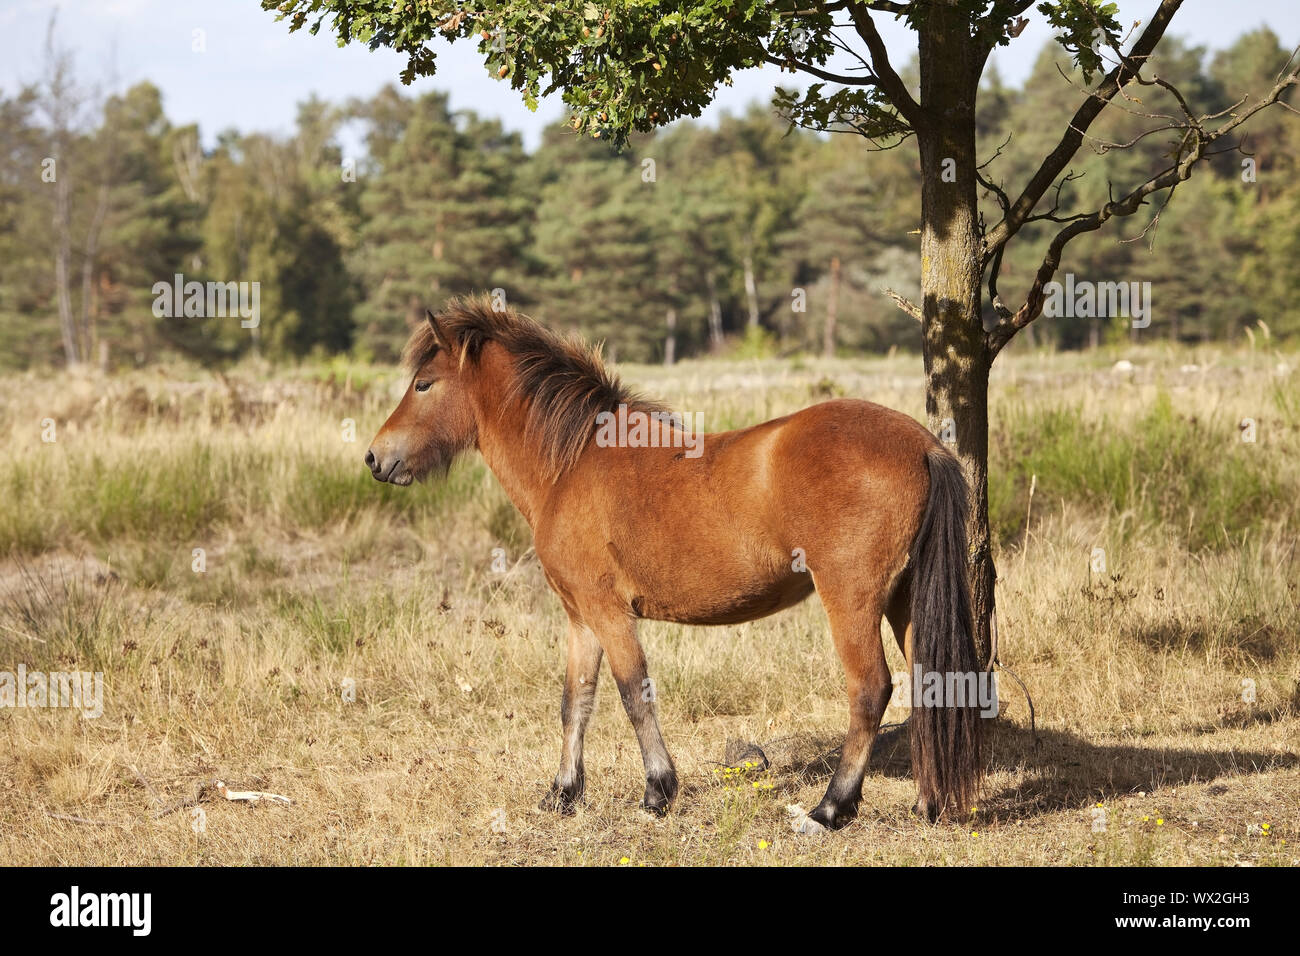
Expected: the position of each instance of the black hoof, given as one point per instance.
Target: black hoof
(659, 793)
(925, 811)
(563, 800)
(833, 816)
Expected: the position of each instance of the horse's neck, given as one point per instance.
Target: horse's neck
(515, 461)
(520, 478)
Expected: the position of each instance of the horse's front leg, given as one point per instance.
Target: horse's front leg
(627, 663)
(579, 699)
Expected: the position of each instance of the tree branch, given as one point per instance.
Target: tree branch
(813, 11)
(1002, 333)
(908, 306)
(889, 82)
(816, 71)
(886, 6)
(1194, 147)
(1069, 144)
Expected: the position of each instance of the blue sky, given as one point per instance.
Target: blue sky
(254, 72)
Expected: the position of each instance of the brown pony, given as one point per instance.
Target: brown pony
(850, 499)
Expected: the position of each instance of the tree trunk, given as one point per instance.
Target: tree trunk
(715, 315)
(832, 309)
(751, 292)
(670, 341)
(62, 262)
(86, 330)
(956, 357)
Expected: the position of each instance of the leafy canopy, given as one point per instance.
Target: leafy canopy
(632, 65)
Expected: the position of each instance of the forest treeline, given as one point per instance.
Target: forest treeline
(696, 239)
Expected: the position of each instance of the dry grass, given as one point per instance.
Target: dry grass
(315, 575)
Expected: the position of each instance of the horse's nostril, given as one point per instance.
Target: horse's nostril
(370, 460)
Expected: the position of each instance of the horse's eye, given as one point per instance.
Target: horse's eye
(423, 386)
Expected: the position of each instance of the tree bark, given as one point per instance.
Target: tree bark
(832, 309)
(957, 358)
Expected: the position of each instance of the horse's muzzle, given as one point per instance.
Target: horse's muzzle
(388, 469)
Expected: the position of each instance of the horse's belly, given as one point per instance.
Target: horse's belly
(716, 603)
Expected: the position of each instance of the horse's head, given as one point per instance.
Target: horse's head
(434, 420)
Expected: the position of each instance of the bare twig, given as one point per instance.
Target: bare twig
(145, 783)
(905, 304)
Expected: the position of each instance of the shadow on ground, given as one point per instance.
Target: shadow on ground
(1058, 771)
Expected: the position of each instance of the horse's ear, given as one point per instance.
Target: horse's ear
(438, 335)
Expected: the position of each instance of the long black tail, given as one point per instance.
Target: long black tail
(947, 739)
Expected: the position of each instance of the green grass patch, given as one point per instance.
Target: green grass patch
(1193, 476)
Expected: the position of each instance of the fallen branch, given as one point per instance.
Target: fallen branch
(95, 823)
(250, 796)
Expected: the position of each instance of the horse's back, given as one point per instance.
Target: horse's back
(835, 457)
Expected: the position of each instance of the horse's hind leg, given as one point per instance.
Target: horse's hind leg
(899, 614)
(855, 627)
(580, 676)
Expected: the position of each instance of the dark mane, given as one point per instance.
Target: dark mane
(563, 381)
